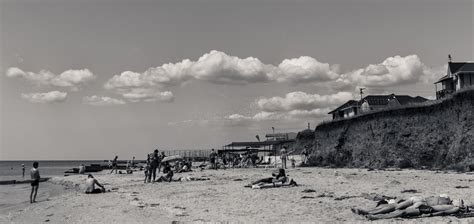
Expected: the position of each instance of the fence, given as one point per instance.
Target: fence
(193, 154)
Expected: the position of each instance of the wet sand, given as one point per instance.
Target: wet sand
(223, 198)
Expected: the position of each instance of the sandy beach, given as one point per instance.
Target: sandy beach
(224, 199)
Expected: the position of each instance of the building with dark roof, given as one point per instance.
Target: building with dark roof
(460, 75)
(373, 103)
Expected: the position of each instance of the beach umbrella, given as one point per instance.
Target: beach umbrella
(172, 158)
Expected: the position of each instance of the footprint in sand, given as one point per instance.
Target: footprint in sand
(138, 203)
(178, 211)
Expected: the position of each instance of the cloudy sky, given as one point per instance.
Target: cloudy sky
(88, 79)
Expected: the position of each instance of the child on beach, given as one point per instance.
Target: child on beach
(23, 170)
(35, 177)
(147, 167)
(114, 165)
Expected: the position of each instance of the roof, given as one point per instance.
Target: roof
(404, 100)
(349, 103)
(444, 78)
(244, 150)
(257, 144)
(382, 100)
(456, 67)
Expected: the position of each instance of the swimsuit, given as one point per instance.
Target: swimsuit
(35, 183)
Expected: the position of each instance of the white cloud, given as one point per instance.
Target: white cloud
(302, 101)
(48, 97)
(221, 68)
(218, 67)
(41, 78)
(164, 76)
(306, 69)
(392, 71)
(70, 78)
(101, 100)
(147, 95)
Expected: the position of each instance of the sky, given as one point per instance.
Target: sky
(83, 79)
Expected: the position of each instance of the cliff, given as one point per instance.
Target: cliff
(435, 135)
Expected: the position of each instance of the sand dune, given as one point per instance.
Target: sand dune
(223, 198)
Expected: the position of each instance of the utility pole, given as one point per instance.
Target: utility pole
(360, 102)
(361, 92)
(273, 128)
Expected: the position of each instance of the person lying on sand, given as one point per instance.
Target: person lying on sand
(190, 178)
(90, 185)
(414, 206)
(279, 179)
(292, 183)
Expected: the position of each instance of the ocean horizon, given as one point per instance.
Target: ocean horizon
(11, 169)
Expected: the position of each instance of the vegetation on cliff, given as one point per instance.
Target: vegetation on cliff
(435, 135)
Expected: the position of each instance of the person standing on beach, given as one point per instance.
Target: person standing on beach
(160, 163)
(133, 162)
(305, 155)
(114, 165)
(283, 156)
(212, 158)
(147, 167)
(155, 161)
(35, 177)
(23, 170)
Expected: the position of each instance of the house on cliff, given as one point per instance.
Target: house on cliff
(460, 75)
(373, 103)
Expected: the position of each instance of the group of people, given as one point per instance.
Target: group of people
(153, 163)
(414, 207)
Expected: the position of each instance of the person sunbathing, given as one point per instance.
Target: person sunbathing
(190, 178)
(414, 206)
(413, 202)
(436, 210)
(279, 179)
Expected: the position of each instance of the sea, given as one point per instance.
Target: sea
(11, 170)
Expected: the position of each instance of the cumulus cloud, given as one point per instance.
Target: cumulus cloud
(302, 101)
(164, 76)
(41, 78)
(101, 101)
(305, 69)
(147, 95)
(221, 68)
(218, 67)
(294, 106)
(70, 78)
(392, 71)
(48, 97)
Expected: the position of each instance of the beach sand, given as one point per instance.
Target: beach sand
(224, 199)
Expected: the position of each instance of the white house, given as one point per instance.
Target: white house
(460, 75)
